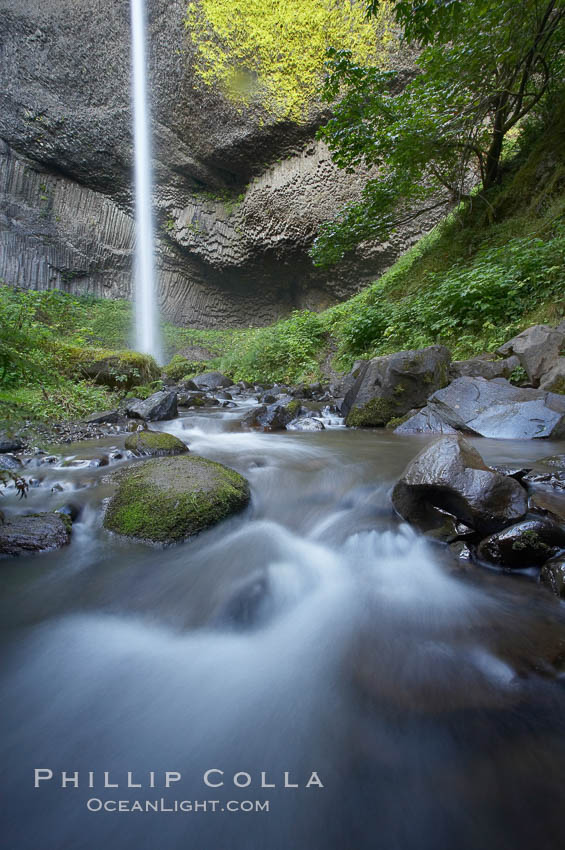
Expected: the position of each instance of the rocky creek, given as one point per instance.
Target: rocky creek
(313, 631)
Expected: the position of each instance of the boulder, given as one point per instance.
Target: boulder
(390, 386)
(498, 409)
(250, 419)
(484, 367)
(276, 417)
(525, 544)
(552, 575)
(124, 369)
(211, 381)
(166, 500)
(450, 476)
(104, 416)
(425, 421)
(161, 405)
(306, 424)
(191, 399)
(10, 443)
(537, 349)
(554, 380)
(154, 444)
(546, 501)
(34, 533)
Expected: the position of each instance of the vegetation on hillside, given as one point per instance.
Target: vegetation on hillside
(272, 52)
(483, 67)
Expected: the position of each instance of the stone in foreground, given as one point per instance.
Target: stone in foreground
(553, 575)
(495, 409)
(390, 386)
(450, 476)
(34, 533)
(154, 444)
(526, 544)
(167, 500)
(537, 349)
(159, 406)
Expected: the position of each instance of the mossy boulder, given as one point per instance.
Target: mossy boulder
(390, 386)
(155, 444)
(118, 369)
(167, 500)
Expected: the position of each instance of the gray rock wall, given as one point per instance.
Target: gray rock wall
(238, 197)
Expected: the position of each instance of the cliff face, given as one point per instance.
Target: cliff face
(239, 193)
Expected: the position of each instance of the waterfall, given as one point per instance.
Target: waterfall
(145, 278)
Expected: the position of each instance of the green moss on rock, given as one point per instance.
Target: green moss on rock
(156, 443)
(167, 500)
(294, 407)
(376, 413)
(118, 369)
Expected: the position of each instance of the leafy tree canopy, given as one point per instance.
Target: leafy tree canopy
(483, 66)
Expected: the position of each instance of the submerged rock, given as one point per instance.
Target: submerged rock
(537, 349)
(154, 444)
(553, 575)
(390, 386)
(496, 409)
(306, 424)
(167, 500)
(526, 544)
(248, 606)
(159, 406)
(34, 533)
(450, 476)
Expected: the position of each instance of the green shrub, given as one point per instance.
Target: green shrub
(286, 351)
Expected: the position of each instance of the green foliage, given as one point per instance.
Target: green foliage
(66, 400)
(518, 376)
(484, 298)
(272, 51)
(178, 368)
(286, 351)
(484, 66)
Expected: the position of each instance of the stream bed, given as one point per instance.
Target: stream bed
(311, 634)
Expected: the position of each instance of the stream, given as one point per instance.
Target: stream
(311, 633)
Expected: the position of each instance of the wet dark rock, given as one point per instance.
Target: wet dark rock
(460, 550)
(148, 443)
(10, 463)
(451, 476)
(537, 349)
(248, 607)
(229, 404)
(390, 386)
(84, 462)
(250, 419)
(110, 416)
(191, 399)
(187, 386)
(484, 367)
(34, 533)
(306, 424)
(159, 406)
(552, 575)
(548, 479)
(498, 409)
(10, 442)
(526, 544)
(225, 396)
(72, 510)
(267, 398)
(211, 381)
(276, 417)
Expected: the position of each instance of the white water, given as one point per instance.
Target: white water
(145, 278)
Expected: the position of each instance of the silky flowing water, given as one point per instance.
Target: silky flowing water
(313, 632)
